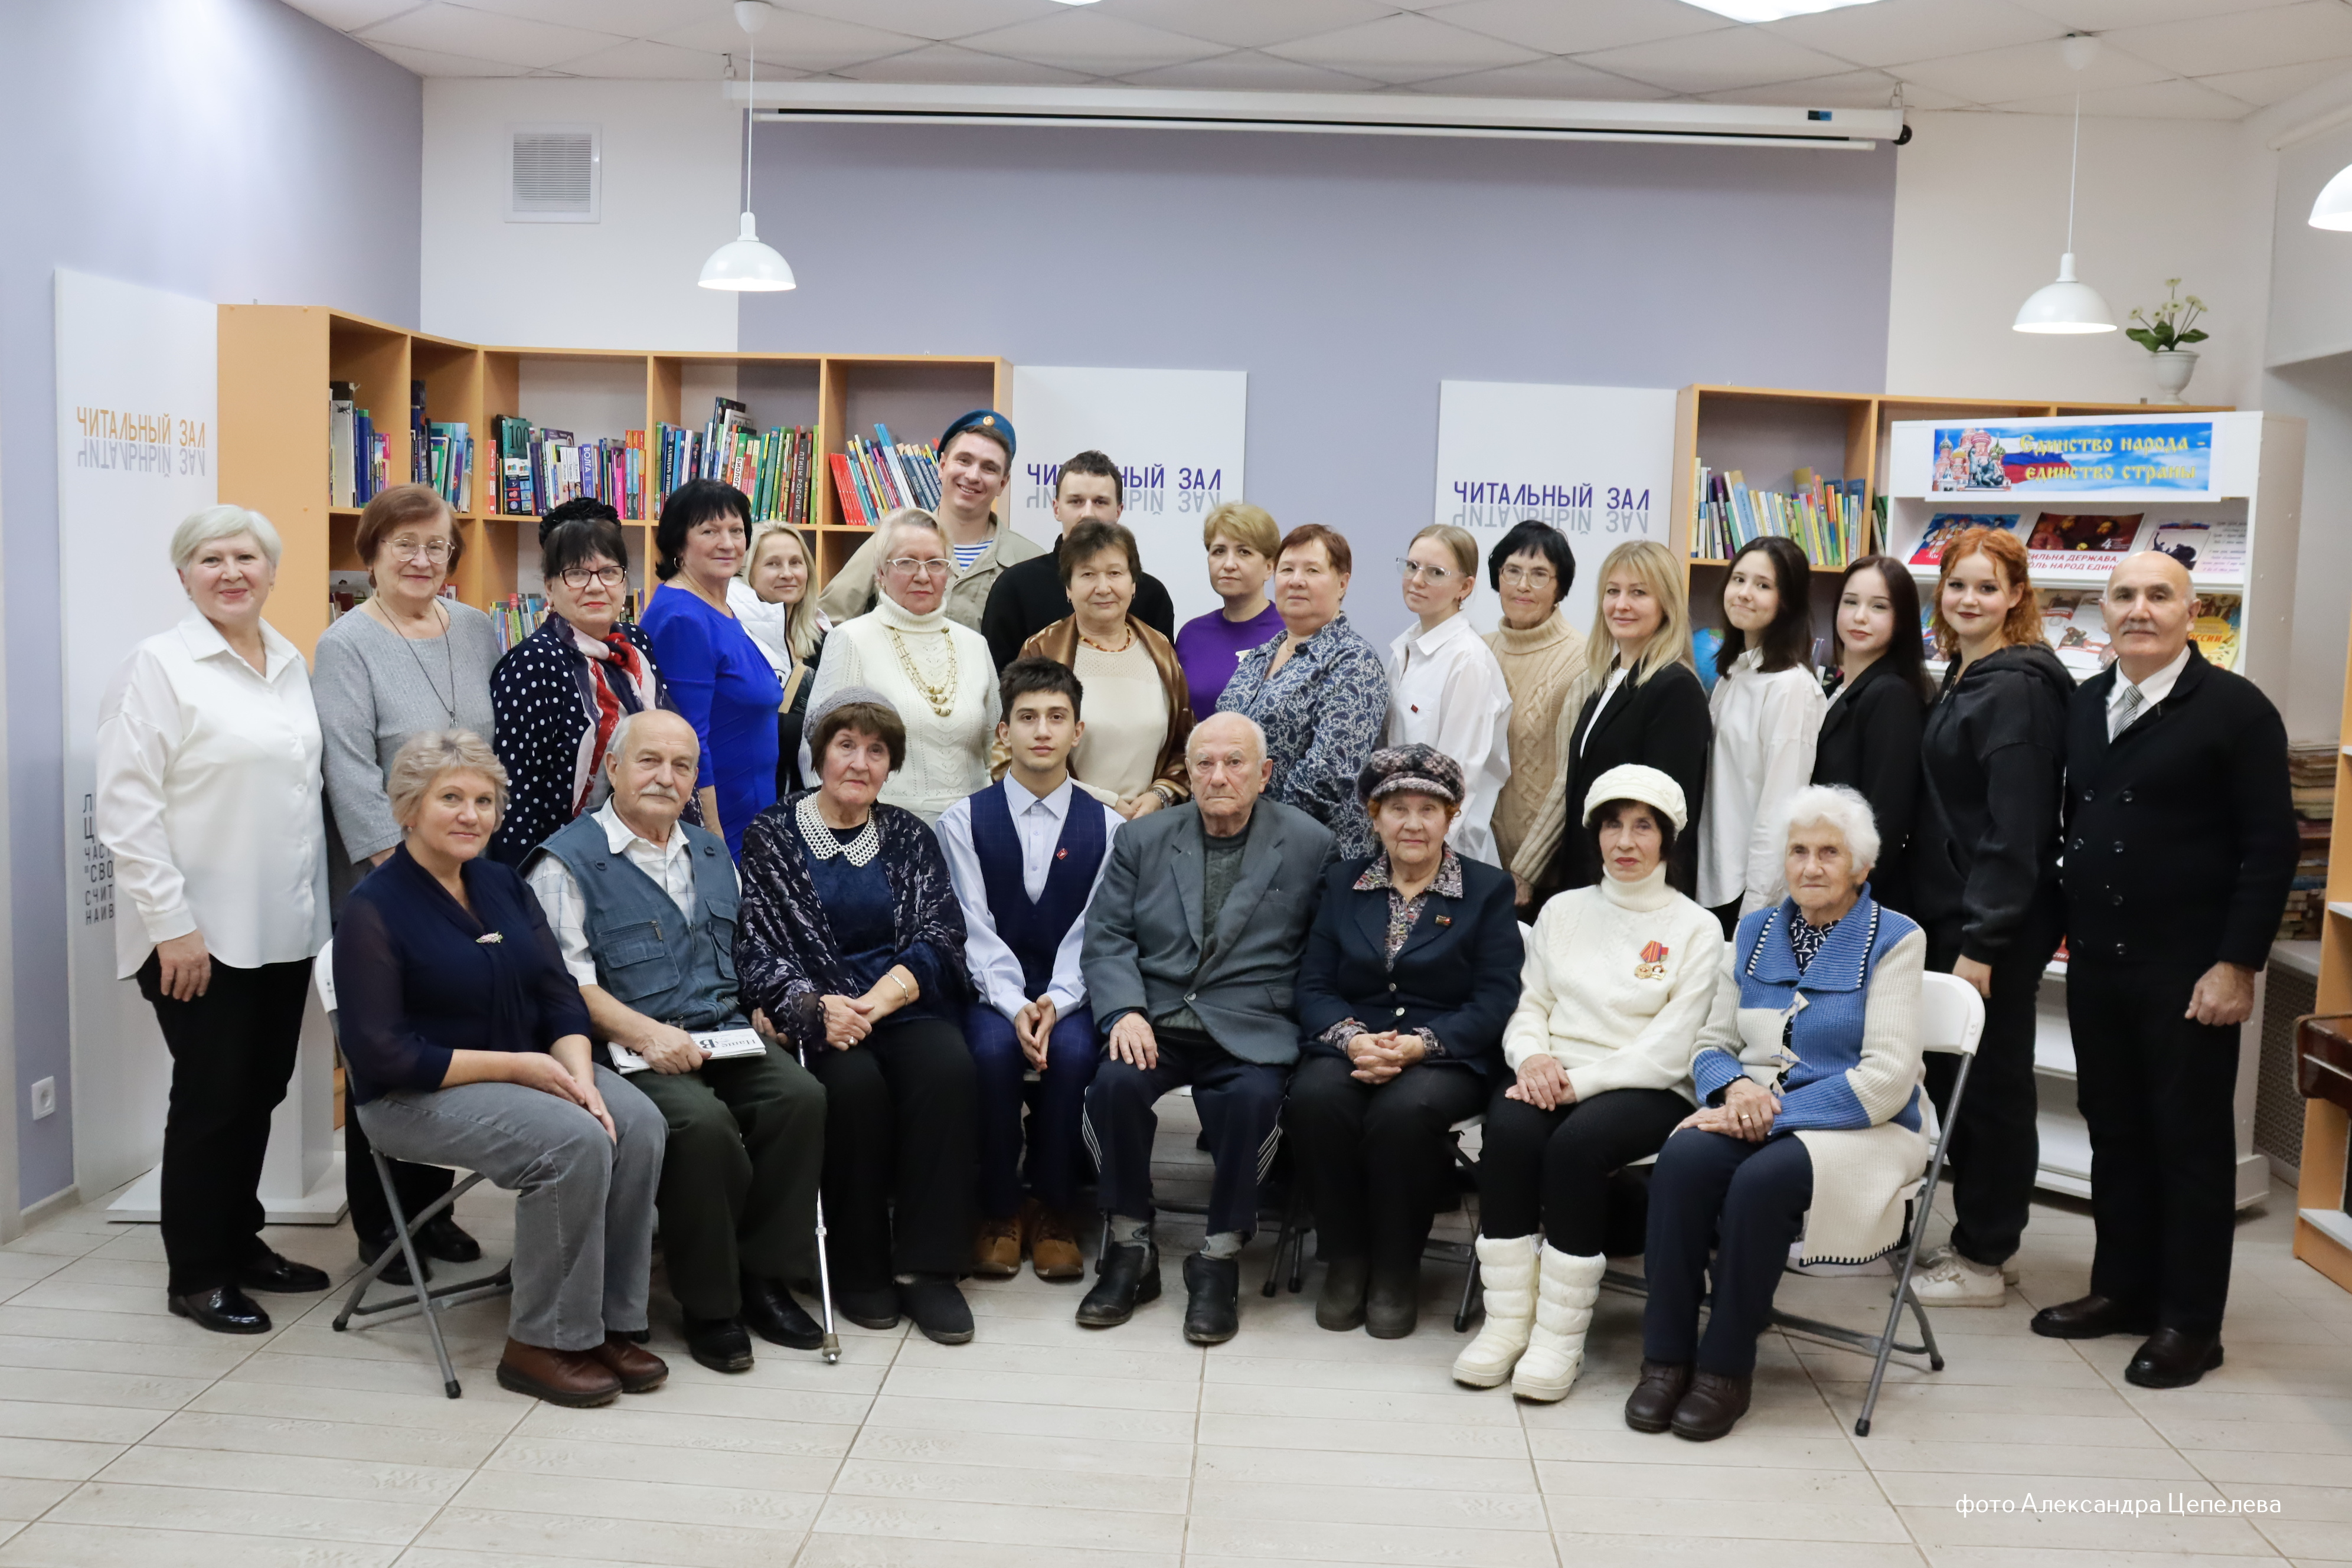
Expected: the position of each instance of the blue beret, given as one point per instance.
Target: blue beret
(988, 422)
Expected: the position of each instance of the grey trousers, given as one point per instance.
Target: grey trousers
(584, 1205)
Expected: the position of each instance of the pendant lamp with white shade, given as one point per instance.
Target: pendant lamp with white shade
(2069, 305)
(743, 263)
(2334, 207)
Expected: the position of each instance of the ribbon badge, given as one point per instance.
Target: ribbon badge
(1654, 962)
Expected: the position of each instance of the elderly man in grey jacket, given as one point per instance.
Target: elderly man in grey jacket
(1192, 947)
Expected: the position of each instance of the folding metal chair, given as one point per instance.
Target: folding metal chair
(425, 1303)
(1297, 1221)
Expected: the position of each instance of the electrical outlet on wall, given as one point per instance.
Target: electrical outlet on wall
(45, 1098)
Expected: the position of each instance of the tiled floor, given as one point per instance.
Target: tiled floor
(129, 1438)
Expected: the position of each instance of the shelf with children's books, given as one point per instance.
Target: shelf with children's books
(579, 421)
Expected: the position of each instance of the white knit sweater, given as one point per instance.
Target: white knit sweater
(1619, 980)
(947, 759)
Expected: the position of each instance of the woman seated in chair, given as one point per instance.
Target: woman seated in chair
(1810, 1118)
(852, 941)
(466, 1043)
(1616, 988)
(1411, 968)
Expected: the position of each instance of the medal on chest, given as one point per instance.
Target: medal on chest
(1654, 962)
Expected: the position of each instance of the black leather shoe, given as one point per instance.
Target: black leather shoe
(769, 1311)
(868, 1309)
(2174, 1358)
(443, 1239)
(1129, 1276)
(281, 1276)
(1212, 1307)
(938, 1308)
(1651, 1407)
(1712, 1407)
(1341, 1306)
(719, 1343)
(2091, 1318)
(397, 1271)
(223, 1308)
(1393, 1306)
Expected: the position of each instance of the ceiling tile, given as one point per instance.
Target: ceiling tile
(350, 16)
(1893, 30)
(480, 35)
(1251, 24)
(2098, 16)
(2173, 99)
(934, 19)
(2278, 83)
(1848, 89)
(427, 62)
(1404, 48)
(2316, 29)
(1087, 40)
(624, 19)
(793, 39)
(1715, 62)
(1545, 79)
(642, 59)
(1248, 70)
(1557, 27)
(960, 67)
(2027, 70)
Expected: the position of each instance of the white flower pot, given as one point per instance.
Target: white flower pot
(2173, 369)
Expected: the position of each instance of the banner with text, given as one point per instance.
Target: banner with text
(1177, 436)
(1595, 462)
(2089, 459)
(137, 383)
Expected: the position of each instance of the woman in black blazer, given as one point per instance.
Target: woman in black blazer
(1411, 970)
(1638, 702)
(1878, 692)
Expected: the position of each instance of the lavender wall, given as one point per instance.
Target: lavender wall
(230, 150)
(1348, 275)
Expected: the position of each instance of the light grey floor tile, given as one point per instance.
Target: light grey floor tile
(825, 1550)
(1099, 1457)
(1412, 1469)
(1301, 1542)
(373, 1522)
(930, 1414)
(50, 1459)
(574, 1459)
(301, 1475)
(74, 1423)
(508, 1537)
(22, 1499)
(738, 1507)
(634, 1421)
(1734, 1482)
(1040, 1388)
(56, 1545)
(136, 1391)
(1889, 1449)
(1394, 1437)
(1372, 1505)
(1581, 1549)
(1039, 1485)
(2050, 1532)
(369, 1442)
(924, 1519)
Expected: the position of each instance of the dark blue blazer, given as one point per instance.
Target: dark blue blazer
(1456, 975)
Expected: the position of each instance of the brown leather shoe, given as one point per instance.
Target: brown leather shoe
(1712, 1407)
(996, 1248)
(639, 1369)
(1053, 1244)
(1651, 1407)
(561, 1377)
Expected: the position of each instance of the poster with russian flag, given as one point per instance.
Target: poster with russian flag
(2087, 458)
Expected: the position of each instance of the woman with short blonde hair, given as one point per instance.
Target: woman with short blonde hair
(1242, 543)
(1446, 689)
(775, 599)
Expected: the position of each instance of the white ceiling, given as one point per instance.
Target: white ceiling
(2211, 60)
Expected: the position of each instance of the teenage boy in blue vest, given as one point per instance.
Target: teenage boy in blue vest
(1026, 855)
(643, 907)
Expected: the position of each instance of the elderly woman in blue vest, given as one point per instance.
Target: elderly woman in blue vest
(851, 941)
(1411, 970)
(1026, 854)
(1808, 1120)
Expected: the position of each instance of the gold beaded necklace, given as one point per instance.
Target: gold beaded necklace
(941, 694)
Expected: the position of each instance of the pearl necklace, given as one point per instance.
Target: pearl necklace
(941, 694)
(824, 843)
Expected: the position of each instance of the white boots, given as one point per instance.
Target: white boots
(1555, 1352)
(1506, 1270)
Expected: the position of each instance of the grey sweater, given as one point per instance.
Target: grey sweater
(374, 689)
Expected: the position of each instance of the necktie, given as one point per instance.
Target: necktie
(2127, 708)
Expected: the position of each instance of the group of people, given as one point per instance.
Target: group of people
(913, 896)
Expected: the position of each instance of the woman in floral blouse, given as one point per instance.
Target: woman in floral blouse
(1319, 691)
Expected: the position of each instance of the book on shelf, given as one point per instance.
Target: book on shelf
(540, 467)
(1944, 525)
(2081, 542)
(516, 616)
(771, 468)
(357, 454)
(1830, 520)
(2214, 629)
(2207, 549)
(2075, 628)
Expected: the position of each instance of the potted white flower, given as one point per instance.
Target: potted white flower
(2166, 331)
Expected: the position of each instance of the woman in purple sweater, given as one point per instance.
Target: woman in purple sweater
(1242, 540)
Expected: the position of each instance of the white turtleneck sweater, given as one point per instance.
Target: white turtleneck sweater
(947, 758)
(1619, 981)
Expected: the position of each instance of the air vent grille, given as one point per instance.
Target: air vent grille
(552, 173)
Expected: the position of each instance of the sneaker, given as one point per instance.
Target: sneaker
(1935, 1255)
(1957, 1281)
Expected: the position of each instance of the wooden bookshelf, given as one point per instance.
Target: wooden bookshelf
(2323, 1227)
(277, 360)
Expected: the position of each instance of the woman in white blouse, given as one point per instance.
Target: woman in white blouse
(208, 753)
(936, 672)
(1767, 708)
(1445, 687)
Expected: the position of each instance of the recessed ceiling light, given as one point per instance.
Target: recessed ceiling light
(1772, 10)
(1078, 2)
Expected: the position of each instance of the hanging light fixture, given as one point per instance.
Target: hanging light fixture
(2334, 207)
(744, 263)
(2068, 305)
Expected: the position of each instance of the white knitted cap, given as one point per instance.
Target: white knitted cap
(1630, 780)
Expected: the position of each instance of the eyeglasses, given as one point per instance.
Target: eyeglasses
(1529, 576)
(578, 577)
(408, 547)
(917, 567)
(1435, 576)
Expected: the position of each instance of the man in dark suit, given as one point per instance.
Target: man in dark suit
(1029, 596)
(2180, 846)
(1192, 948)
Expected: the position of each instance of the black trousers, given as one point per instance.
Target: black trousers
(1551, 1169)
(1745, 1200)
(233, 1051)
(900, 1167)
(2159, 1092)
(1995, 1151)
(1240, 1111)
(1375, 1158)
